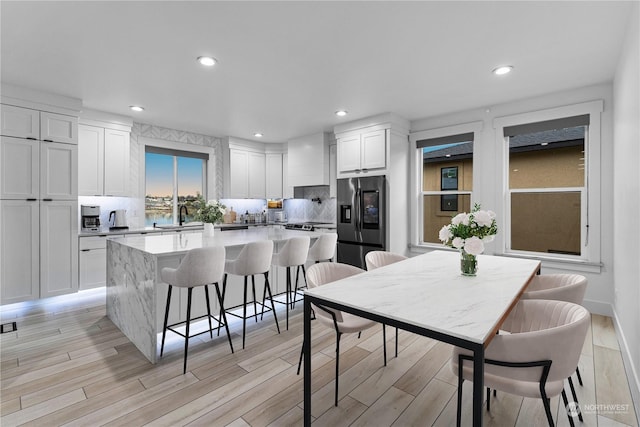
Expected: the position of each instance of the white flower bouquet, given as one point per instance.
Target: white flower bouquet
(470, 231)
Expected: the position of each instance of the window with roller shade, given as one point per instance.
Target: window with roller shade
(547, 186)
(173, 178)
(446, 181)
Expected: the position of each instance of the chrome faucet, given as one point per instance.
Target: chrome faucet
(186, 212)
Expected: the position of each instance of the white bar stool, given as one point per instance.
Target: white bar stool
(293, 254)
(323, 249)
(254, 258)
(200, 267)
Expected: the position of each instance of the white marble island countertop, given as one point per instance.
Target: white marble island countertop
(181, 243)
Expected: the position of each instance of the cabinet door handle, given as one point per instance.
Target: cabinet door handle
(85, 250)
(31, 200)
(48, 140)
(32, 138)
(47, 200)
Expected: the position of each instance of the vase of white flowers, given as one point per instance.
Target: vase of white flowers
(468, 232)
(210, 213)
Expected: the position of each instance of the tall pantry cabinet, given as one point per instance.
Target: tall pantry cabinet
(38, 204)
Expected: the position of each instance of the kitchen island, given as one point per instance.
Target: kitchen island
(136, 295)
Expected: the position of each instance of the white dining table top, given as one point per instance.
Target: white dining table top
(428, 291)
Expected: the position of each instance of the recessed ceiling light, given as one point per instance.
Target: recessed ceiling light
(207, 61)
(341, 113)
(136, 108)
(504, 69)
(257, 135)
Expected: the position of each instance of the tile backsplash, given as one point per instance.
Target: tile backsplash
(301, 210)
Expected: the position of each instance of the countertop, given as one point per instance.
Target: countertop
(171, 244)
(148, 230)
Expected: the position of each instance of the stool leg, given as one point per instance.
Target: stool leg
(166, 318)
(244, 312)
(273, 307)
(255, 307)
(295, 289)
(264, 298)
(206, 294)
(224, 291)
(288, 291)
(304, 276)
(186, 335)
(223, 317)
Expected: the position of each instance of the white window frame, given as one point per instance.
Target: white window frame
(209, 171)
(417, 213)
(590, 205)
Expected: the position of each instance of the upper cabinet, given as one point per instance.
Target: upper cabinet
(364, 146)
(27, 123)
(308, 160)
(274, 174)
(103, 159)
(363, 152)
(245, 166)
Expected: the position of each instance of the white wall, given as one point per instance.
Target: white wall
(599, 295)
(626, 178)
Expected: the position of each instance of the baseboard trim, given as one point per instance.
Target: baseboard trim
(632, 373)
(598, 307)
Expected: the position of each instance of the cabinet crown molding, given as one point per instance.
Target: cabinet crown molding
(105, 120)
(37, 100)
(383, 121)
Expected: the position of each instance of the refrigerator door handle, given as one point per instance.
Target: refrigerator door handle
(357, 209)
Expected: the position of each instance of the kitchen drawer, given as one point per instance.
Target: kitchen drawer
(93, 242)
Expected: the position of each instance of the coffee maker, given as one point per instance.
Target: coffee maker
(90, 218)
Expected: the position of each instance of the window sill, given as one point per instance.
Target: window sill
(547, 262)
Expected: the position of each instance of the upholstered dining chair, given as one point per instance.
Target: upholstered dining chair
(559, 287)
(343, 323)
(541, 349)
(377, 259)
(200, 267)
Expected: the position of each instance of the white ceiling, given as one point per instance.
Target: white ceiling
(286, 67)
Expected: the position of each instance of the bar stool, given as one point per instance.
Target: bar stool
(200, 267)
(293, 254)
(254, 258)
(323, 249)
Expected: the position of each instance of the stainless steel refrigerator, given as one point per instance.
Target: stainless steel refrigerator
(361, 218)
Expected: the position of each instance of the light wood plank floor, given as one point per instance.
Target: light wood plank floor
(67, 364)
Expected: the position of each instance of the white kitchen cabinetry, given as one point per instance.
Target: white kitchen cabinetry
(308, 160)
(58, 171)
(333, 172)
(33, 124)
(246, 172)
(239, 174)
(58, 247)
(257, 176)
(19, 168)
(103, 156)
(58, 128)
(20, 122)
(362, 152)
(19, 250)
(274, 186)
(92, 262)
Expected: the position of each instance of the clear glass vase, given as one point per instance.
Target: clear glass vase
(468, 264)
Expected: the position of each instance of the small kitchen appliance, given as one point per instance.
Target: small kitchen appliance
(118, 219)
(90, 218)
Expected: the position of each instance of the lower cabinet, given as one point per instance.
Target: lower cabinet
(58, 247)
(38, 250)
(92, 262)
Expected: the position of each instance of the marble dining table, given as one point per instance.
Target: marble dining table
(427, 295)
